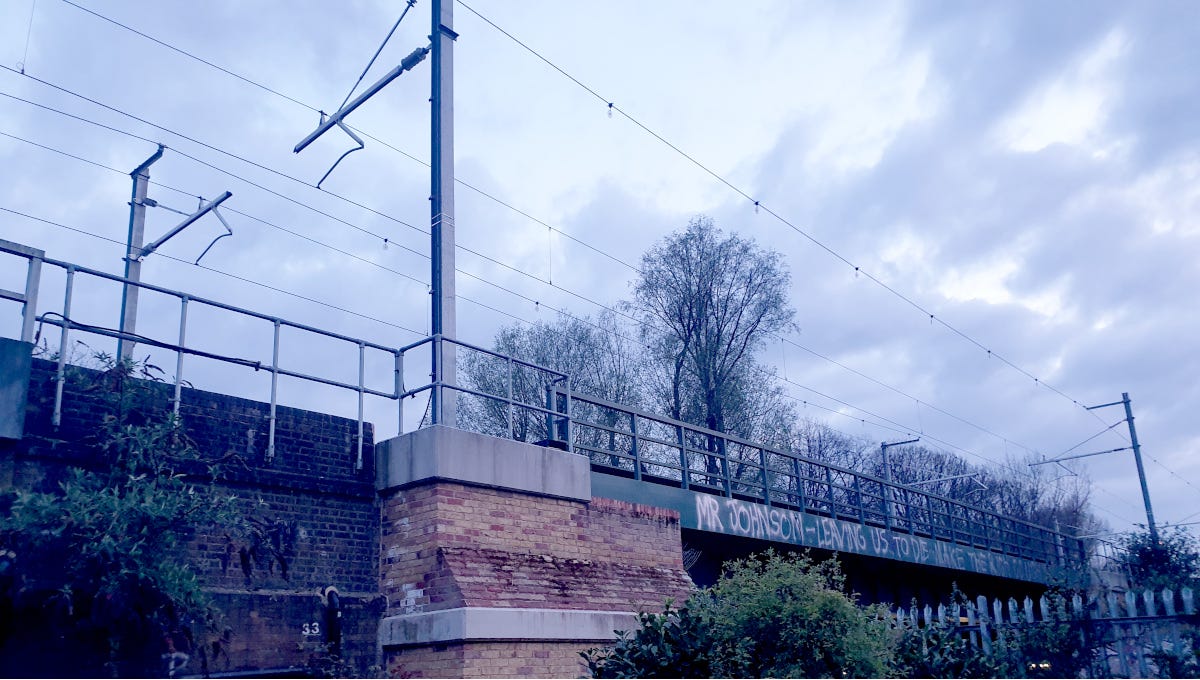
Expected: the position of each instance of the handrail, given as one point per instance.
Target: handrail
(843, 492)
(731, 466)
(184, 347)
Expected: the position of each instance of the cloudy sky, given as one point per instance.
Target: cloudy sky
(1026, 173)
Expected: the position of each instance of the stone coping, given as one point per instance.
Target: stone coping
(480, 624)
(440, 453)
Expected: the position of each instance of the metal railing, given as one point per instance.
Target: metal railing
(182, 346)
(619, 440)
(656, 449)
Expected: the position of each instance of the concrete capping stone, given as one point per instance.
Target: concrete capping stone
(480, 624)
(441, 453)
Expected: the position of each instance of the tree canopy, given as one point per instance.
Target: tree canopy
(707, 301)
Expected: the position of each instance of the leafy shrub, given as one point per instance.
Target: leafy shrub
(767, 616)
(96, 577)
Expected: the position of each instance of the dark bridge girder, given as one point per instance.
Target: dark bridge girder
(910, 564)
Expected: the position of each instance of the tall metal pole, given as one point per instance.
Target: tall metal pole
(442, 210)
(1137, 457)
(133, 253)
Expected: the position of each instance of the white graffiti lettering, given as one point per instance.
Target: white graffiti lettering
(751, 520)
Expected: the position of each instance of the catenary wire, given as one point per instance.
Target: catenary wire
(531, 217)
(877, 420)
(820, 244)
(52, 85)
(220, 272)
(817, 242)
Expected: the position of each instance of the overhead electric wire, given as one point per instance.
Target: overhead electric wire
(229, 209)
(491, 197)
(292, 233)
(877, 420)
(865, 416)
(758, 205)
(219, 271)
(216, 149)
(524, 213)
(189, 54)
(815, 241)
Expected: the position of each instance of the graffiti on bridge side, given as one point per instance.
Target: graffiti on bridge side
(752, 520)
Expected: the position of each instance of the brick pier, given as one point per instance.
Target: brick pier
(497, 561)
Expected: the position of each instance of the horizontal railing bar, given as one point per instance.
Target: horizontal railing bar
(493, 353)
(518, 404)
(21, 250)
(220, 305)
(257, 365)
(334, 383)
(689, 428)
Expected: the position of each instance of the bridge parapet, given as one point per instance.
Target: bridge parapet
(620, 441)
(784, 496)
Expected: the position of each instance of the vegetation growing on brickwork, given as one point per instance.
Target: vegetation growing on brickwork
(96, 578)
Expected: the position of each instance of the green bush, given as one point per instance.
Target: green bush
(767, 616)
(96, 577)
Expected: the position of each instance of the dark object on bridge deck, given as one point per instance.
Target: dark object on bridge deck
(552, 444)
(16, 360)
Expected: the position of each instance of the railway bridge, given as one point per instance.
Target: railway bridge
(530, 529)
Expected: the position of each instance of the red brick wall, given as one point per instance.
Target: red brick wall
(448, 545)
(490, 660)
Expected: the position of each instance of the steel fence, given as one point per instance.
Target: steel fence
(618, 439)
(659, 450)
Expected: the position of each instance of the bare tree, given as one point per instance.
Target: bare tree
(707, 301)
(597, 356)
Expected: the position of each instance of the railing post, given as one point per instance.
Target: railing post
(183, 306)
(862, 519)
(570, 446)
(362, 372)
(399, 387)
(274, 394)
(60, 376)
(886, 493)
(762, 457)
(685, 468)
(437, 395)
(833, 510)
(33, 281)
(725, 476)
(799, 483)
(550, 413)
(636, 450)
(509, 403)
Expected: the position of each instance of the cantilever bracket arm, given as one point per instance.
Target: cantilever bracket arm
(204, 209)
(406, 64)
(1079, 455)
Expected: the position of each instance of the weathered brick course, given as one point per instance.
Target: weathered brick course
(450, 545)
